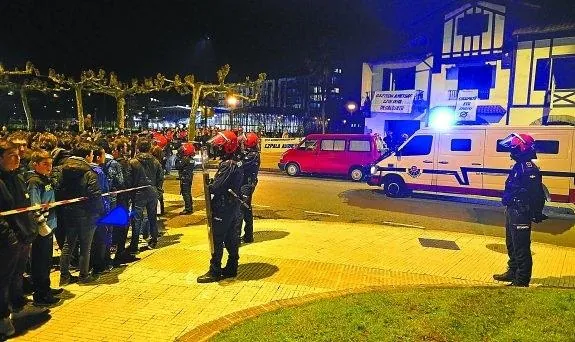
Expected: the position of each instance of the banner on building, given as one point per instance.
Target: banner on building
(466, 108)
(278, 144)
(398, 101)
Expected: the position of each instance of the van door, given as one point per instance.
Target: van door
(331, 157)
(417, 157)
(307, 155)
(459, 162)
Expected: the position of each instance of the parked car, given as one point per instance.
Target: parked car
(470, 160)
(333, 154)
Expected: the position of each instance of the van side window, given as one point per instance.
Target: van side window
(359, 146)
(333, 145)
(419, 145)
(460, 145)
(541, 147)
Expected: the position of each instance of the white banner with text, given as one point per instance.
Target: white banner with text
(278, 144)
(466, 109)
(398, 101)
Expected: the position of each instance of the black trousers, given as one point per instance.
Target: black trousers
(225, 234)
(41, 262)
(120, 234)
(13, 259)
(186, 192)
(247, 214)
(100, 252)
(518, 241)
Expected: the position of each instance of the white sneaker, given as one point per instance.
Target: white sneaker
(6, 327)
(29, 310)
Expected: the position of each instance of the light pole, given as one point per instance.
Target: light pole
(232, 101)
(351, 107)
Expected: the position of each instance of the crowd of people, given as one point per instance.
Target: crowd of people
(40, 168)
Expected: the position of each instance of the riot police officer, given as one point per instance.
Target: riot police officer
(225, 208)
(524, 199)
(250, 158)
(185, 166)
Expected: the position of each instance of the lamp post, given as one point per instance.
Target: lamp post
(351, 107)
(232, 102)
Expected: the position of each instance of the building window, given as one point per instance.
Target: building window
(460, 145)
(419, 145)
(542, 74)
(333, 145)
(481, 77)
(359, 145)
(337, 71)
(473, 24)
(563, 73)
(335, 90)
(404, 79)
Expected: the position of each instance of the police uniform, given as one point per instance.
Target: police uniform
(524, 177)
(225, 218)
(185, 166)
(250, 159)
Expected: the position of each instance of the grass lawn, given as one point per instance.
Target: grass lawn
(418, 314)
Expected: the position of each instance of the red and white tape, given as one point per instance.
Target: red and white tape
(64, 202)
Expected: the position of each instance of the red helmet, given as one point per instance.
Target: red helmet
(160, 139)
(182, 134)
(225, 140)
(251, 140)
(519, 144)
(188, 149)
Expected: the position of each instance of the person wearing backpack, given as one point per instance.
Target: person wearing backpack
(524, 199)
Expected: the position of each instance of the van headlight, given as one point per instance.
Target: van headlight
(373, 169)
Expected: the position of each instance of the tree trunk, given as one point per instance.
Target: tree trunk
(26, 106)
(121, 112)
(196, 92)
(80, 107)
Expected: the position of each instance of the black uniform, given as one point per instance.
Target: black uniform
(185, 166)
(250, 160)
(523, 182)
(225, 217)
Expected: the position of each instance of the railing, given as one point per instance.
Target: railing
(452, 95)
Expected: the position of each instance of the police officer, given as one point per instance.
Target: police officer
(185, 166)
(225, 208)
(250, 158)
(524, 199)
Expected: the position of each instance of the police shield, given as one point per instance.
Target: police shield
(208, 197)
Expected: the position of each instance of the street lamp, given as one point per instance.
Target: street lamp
(232, 102)
(351, 107)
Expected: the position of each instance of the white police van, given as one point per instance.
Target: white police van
(470, 160)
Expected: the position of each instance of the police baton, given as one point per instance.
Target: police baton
(238, 198)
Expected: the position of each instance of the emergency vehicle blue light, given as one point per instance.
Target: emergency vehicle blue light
(441, 118)
(118, 216)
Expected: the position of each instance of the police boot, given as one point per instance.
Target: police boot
(209, 277)
(229, 272)
(507, 276)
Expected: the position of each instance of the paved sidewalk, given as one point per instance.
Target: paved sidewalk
(158, 299)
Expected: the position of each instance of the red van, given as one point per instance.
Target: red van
(333, 154)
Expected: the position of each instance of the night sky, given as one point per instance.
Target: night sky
(137, 39)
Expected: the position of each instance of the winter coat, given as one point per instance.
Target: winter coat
(79, 180)
(16, 228)
(41, 190)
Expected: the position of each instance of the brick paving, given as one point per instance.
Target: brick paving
(291, 262)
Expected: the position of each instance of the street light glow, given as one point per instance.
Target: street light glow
(351, 106)
(232, 101)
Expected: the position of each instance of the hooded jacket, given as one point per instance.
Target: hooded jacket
(79, 180)
(16, 228)
(146, 170)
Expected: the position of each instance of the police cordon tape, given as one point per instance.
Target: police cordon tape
(63, 202)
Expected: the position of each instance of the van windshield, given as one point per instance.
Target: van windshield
(307, 145)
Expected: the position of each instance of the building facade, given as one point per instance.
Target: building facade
(483, 67)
